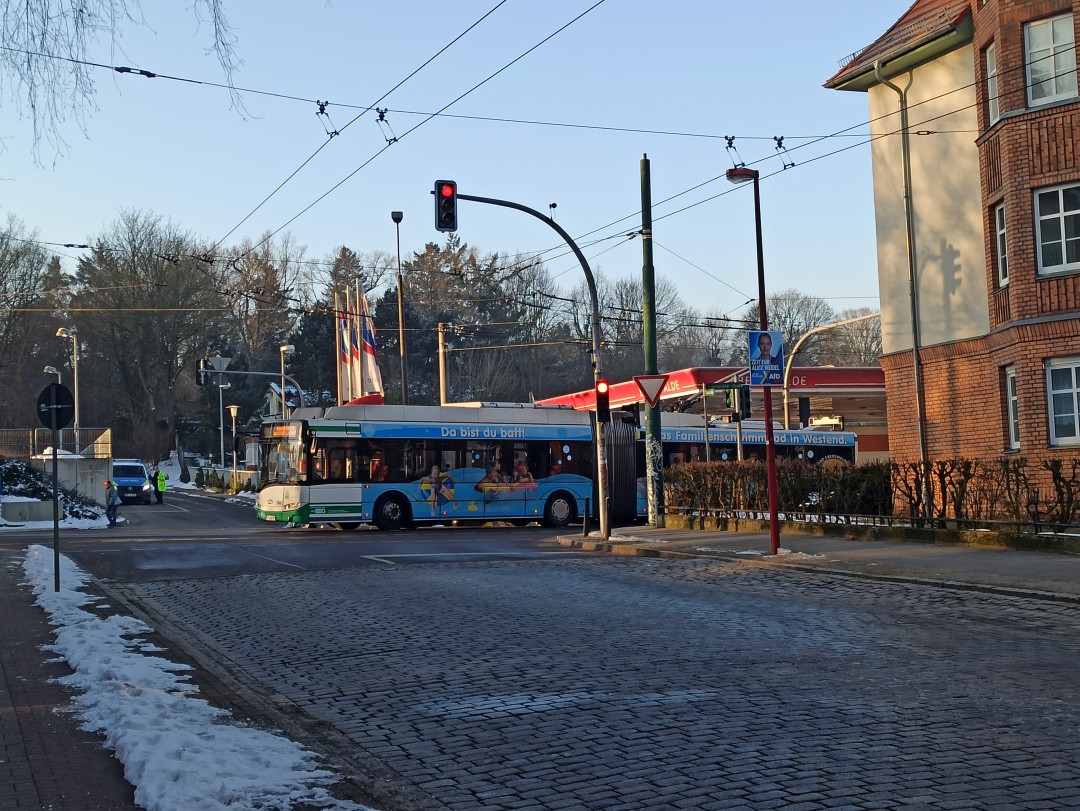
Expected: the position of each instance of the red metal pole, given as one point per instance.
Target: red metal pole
(770, 443)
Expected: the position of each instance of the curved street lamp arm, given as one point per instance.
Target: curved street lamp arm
(798, 345)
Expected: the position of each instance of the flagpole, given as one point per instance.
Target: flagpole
(360, 334)
(338, 347)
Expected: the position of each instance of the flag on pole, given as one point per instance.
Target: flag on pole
(355, 367)
(370, 374)
(344, 352)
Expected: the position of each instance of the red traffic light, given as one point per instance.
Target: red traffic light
(445, 205)
(603, 403)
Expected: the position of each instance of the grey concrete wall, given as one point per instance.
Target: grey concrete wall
(85, 476)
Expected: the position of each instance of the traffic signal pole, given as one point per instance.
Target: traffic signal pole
(603, 486)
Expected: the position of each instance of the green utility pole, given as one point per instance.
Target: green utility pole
(654, 457)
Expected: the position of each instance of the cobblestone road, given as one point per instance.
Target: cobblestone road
(637, 683)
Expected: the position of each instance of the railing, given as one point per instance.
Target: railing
(26, 443)
(1012, 528)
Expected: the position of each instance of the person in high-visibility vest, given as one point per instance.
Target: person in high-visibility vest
(159, 478)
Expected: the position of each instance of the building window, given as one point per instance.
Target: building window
(1062, 393)
(1002, 250)
(992, 108)
(1012, 411)
(1057, 212)
(1051, 60)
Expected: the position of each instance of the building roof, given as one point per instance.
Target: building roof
(928, 28)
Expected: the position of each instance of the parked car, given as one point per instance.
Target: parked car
(132, 480)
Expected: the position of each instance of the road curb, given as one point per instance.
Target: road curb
(631, 550)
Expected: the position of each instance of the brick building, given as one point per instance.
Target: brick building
(976, 159)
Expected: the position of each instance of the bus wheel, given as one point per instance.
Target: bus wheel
(559, 510)
(390, 513)
(347, 526)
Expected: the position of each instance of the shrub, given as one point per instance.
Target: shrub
(22, 480)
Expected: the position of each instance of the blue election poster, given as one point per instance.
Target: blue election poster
(766, 358)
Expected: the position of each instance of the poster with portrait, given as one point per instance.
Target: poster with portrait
(766, 350)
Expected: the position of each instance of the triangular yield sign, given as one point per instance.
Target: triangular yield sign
(651, 386)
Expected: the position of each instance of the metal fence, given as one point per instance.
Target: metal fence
(27, 443)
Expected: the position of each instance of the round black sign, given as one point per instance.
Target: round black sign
(56, 406)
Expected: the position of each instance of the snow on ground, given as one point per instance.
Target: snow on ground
(179, 752)
(172, 470)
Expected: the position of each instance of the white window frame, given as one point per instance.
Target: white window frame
(1050, 67)
(993, 108)
(1063, 402)
(1012, 407)
(1060, 219)
(1002, 245)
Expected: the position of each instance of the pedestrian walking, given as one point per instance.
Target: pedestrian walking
(112, 501)
(159, 484)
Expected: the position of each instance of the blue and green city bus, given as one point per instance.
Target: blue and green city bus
(398, 466)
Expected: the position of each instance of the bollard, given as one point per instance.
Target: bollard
(585, 521)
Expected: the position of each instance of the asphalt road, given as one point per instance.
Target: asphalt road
(475, 669)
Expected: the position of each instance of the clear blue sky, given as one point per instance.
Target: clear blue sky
(707, 67)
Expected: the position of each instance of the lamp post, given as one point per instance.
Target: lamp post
(284, 350)
(52, 370)
(221, 420)
(397, 217)
(72, 333)
(232, 413)
(742, 174)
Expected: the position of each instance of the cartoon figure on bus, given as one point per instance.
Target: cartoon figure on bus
(491, 481)
(437, 488)
(523, 479)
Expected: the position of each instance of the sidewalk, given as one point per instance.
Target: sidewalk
(46, 761)
(1042, 575)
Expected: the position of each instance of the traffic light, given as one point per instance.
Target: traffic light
(603, 401)
(202, 372)
(731, 400)
(744, 401)
(445, 205)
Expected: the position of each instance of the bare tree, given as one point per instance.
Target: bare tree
(25, 336)
(45, 69)
(147, 303)
(793, 314)
(859, 343)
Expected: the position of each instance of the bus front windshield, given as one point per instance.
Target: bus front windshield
(283, 455)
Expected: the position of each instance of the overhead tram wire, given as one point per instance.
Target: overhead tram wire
(413, 129)
(356, 118)
(441, 112)
(814, 140)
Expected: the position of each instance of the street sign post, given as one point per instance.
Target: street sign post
(56, 407)
(651, 386)
(56, 410)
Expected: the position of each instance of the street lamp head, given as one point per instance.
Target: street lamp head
(742, 174)
(65, 332)
(286, 348)
(397, 216)
(50, 370)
